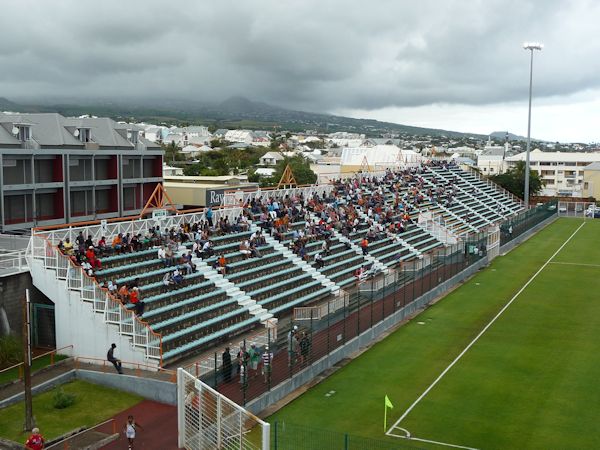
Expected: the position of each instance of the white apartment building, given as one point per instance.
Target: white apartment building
(561, 173)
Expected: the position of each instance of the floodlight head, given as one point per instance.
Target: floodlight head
(532, 46)
(76, 132)
(15, 130)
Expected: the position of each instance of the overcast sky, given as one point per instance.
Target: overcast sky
(454, 64)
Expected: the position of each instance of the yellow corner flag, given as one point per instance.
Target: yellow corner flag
(388, 404)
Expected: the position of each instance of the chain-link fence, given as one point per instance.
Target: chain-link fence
(526, 220)
(286, 436)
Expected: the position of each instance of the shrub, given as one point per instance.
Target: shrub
(62, 399)
(11, 351)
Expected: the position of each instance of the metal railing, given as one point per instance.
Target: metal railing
(108, 427)
(111, 309)
(52, 354)
(13, 262)
(140, 369)
(243, 197)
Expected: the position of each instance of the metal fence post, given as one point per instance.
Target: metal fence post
(215, 371)
(275, 436)
(358, 315)
(328, 326)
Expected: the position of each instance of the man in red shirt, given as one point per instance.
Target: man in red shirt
(35, 441)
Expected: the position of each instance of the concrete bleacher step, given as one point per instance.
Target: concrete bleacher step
(299, 262)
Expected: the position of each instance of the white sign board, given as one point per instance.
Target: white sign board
(103, 227)
(159, 213)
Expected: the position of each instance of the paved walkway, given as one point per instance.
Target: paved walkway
(159, 427)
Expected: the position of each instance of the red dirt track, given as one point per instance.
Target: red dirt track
(159, 422)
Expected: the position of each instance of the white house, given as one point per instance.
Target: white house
(169, 171)
(245, 136)
(561, 172)
(271, 159)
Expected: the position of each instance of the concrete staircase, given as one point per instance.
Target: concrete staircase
(288, 254)
(232, 290)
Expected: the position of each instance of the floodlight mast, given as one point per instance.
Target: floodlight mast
(531, 46)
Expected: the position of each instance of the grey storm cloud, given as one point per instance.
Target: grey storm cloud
(312, 54)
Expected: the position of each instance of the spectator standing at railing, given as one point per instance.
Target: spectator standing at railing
(35, 441)
(111, 357)
(226, 365)
(80, 241)
(267, 359)
(208, 213)
(89, 241)
(254, 356)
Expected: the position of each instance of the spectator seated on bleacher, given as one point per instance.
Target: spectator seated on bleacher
(117, 243)
(112, 288)
(90, 254)
(177, 277)
(67, 247)
(245, 249)
(87, 268)
(123, 294)
(257, 238)
(207, 250)
(319, 261)
(168, 279)
(220, 265)
(186, 261)
(102, 248)
(136, 302)
(254, 251)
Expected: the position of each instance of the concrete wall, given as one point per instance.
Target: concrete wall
(78, 325)
(365, 339)
(157, 390)
(12, 294)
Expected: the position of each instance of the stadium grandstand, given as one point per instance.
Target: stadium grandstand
(205, 278)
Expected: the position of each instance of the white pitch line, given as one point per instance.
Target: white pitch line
(491, 322)
(575, 264)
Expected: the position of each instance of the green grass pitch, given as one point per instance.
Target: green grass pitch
(532, 380)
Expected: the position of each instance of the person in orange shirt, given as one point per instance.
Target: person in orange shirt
(124, 294)
(117, 243)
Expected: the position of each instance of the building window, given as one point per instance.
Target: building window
(44, 204)
(16, 170)
(80, 169)
(23, 132)
(102, 201)
(130, 198)
(85, 134)
(44, 170)
(82, 203)
(18, 209)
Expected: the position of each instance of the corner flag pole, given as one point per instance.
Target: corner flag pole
(387, 404)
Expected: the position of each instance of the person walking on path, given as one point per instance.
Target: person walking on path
(110, 356)
(35, 441)
(130, 429)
